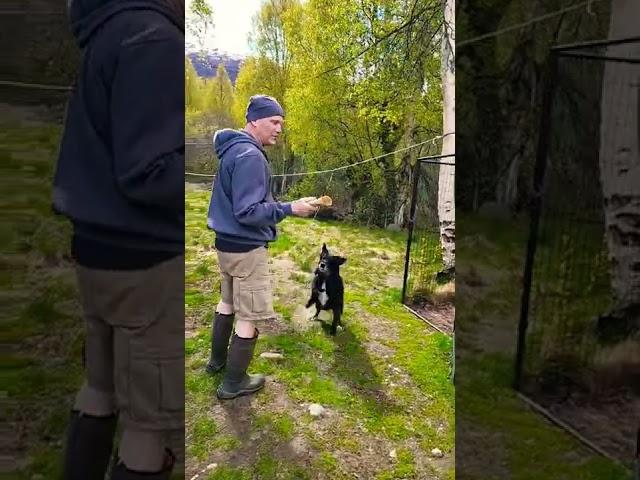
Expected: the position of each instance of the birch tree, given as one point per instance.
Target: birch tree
(446, 180)
(620, 169)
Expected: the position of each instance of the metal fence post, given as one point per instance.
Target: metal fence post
(412, 218)
(536, 208)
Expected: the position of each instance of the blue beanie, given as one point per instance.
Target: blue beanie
(263, 106)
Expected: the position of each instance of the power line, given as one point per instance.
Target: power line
(344, 167)
(37, 86)
(51, 13)
(518, 26)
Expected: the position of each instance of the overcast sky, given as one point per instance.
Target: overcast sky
(232, 20)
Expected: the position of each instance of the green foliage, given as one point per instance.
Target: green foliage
(199, 20)
(219, 99)
(357, 80)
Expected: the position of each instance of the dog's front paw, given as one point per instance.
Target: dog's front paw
(334, 331)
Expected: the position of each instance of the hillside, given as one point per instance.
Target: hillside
(206, 63)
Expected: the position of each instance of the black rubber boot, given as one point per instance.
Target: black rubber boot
(121, 472)
(236, 381)
(89, 445)
(220, 334)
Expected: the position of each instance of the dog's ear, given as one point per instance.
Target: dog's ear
(324, 247)
(341, 260)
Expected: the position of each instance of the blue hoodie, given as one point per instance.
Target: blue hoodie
(120, 172)
(242, 209)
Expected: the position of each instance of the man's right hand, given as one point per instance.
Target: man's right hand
(301, 208)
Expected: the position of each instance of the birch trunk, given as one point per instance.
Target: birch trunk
(620, 165)
(446, 179)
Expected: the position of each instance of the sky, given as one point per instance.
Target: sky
(232, 23)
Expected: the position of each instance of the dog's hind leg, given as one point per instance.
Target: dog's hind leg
(336, 321)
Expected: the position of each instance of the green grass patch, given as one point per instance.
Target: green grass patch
(405, 467)
(41, 313)
(341, 373)
(228, 473)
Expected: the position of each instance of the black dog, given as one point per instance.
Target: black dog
(327, 289)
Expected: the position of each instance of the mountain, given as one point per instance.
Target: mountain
(206, 63)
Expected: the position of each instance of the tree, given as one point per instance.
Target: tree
(192, 87)
(358, 90)
(446, 181)
(500, 82)
(219, 98)
(620, 171)
(274, 61)
(199, 21)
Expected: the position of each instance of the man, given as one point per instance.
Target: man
(244, 215)
(120, 180)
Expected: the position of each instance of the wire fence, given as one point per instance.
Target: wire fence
(425, 272)
(564, 364)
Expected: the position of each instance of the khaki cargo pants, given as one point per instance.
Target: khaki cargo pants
(135, 355)
(247, 284)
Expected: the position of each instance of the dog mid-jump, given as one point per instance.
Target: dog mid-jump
(327, 288)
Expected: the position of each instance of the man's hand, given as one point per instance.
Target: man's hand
(301, 208)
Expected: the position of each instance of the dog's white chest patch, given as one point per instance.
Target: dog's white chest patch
(323, 297)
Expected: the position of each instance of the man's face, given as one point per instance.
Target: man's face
(268, 129)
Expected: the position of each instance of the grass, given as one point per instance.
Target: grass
(515, 437)
(371, 403)
(405, 467)
(384, 379)
(40, 313)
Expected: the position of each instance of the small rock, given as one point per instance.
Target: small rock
(436, 452)
(272, 355)
(211, 466)
(316, 409)
(393, 453)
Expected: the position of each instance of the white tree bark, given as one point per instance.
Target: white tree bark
(446, 180)
(620, 156)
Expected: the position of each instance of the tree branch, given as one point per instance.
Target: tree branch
(378, 41)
